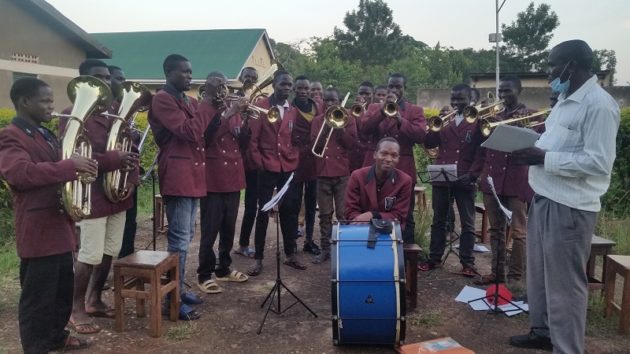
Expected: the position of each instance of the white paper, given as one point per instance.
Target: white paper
(276, 198)
(506, 211)
(437, 173)
(511, 310)
(508, 138)
(470, 293)
(476, 248)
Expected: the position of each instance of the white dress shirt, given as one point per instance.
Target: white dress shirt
(579, 141)
(283, 107)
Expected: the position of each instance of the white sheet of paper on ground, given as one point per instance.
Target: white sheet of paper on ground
(477, 248)
(273, 201)
(469, 293)
(511, 310)
(508, 138)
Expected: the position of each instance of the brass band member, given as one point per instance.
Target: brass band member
(407, 125)
(365, 97)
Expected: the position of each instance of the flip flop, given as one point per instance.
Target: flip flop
(71, 343)
(85, 328)
(209, 287)
(234, 276)
(108, 313)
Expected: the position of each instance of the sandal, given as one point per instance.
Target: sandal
(71, 343)
(209, 287)
(234, 276)
(107, 313)
(84, 328)
(245, 252)
(293, 263)
(255, 269)
(426, 266)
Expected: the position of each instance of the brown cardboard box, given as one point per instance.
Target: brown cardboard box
(445, 345)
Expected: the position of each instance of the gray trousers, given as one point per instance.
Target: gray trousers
(558, 247)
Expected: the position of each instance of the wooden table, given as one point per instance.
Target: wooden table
(599, 247)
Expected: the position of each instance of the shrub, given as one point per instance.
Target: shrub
(617, 199)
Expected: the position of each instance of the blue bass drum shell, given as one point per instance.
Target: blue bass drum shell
(368, 293)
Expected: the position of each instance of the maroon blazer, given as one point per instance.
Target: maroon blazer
(335, 162)
(97, 131)
(362, 196)
(224, 162)
(509, 178)
(178, 127)
(359, 148)
(35, 173)
(272, 148)
(375, 126)
(457, 145)
(302, 137)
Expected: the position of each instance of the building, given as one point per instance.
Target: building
(141, 54)
(528, 79)
(43, 43)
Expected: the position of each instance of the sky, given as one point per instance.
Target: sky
(603, 24)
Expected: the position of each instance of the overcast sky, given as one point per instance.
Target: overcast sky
(604, 24)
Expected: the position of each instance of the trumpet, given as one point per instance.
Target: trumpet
(473, 113)
(436, 123)
(273, 113)
(357, 109)
(390, 109)
(487, 125)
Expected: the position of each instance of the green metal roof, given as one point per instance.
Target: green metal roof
(140, 54)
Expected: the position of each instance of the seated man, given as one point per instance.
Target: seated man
(380, 191)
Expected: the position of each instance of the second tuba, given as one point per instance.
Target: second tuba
(88, 94)
(135, 98)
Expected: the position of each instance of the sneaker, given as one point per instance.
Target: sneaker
(427, 266)
(312, 248)
(322, 257)
(531, 341)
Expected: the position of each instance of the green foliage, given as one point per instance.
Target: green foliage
(527, 38)
(605, 59)
(617, 199)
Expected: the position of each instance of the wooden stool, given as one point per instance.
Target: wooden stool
(131, 273)
(599, 247)
(159, 217)
(618, 265)
(411, 252)
(421, 198)
(483, 233)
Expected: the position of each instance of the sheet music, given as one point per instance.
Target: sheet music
(508, 138)
(506, 211)
(276, 198)
(436, 175)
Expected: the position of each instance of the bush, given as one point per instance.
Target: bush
(617, 199)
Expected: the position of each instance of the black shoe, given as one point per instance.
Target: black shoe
(531, 341)
(322, 257)
(312, 248)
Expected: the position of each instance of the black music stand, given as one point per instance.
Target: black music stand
(151, 173)
(276, 291)
(494, 308)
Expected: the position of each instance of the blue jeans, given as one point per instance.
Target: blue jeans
(180, 213)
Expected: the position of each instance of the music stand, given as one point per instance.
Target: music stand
(276, 291)
(494, 308)
(151, 173)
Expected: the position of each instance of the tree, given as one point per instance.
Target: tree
(527, 38)
(372, 37)
(605, 59)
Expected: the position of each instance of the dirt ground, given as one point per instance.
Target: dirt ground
(230, 320)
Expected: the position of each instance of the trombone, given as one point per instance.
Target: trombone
(473, 113)
(436, 123)
(335, 117)
(487, 125)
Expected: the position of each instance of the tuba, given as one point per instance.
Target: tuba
(88, 94)
(335, 117)
(135, 98)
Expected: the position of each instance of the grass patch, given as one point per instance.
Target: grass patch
(182, 332)
(596, 323)
(426, 319)
(9, 269)
(423, 219)
(615, 228)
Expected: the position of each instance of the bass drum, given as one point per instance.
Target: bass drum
(368, 288)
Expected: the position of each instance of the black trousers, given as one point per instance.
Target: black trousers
(308, 191)
(409, 233)
(251, 205)
(45, 302)
(441, 201)
(129, 234)
(288, 210)
(218, 217)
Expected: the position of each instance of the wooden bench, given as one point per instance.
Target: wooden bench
(421, 198)
(618, 265)
(600, 247)
(411, 252)
(133, 272)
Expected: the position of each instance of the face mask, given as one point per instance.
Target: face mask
(561, 87)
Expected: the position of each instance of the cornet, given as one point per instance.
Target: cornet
(487, 125)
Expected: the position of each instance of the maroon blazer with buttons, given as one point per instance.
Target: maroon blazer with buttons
(224, 161)
(97, 129)
(178, 127)
(272, 148)
(359, 148)
(509, 178)
(35, 173)
(362, 195)
(457, 145)
(301, 136)
(375, 126)
(335, 161)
